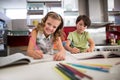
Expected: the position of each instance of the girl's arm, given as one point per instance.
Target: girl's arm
(61, 51)
(32, 49)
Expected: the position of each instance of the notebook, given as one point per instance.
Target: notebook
(96, 55)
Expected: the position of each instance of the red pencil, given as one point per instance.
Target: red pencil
(75, 71)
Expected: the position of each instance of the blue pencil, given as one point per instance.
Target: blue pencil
(89, 67)
(77, 73)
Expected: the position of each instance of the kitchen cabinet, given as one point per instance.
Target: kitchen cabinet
(70, 11)
(114, 11)
(37, 9)
(18, 38)
(3, 38)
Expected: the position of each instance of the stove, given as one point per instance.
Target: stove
(107, 48)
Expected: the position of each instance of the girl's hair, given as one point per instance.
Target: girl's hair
(86, 20)
(54, 16)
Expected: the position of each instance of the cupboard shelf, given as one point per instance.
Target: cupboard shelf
(112, 30)
(114, 13)
(35, 12)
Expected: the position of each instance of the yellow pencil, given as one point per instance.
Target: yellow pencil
(61, 74)
(98, 65)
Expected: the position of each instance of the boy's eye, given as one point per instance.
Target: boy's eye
(81, 24)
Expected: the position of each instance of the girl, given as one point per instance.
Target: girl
(45, 35)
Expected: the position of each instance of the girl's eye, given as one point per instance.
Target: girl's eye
(49, 24)
(54, 27)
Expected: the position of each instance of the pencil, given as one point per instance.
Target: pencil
(89, 67)
(102, 66)
(62, 74)
(80, 74)
(70, 75)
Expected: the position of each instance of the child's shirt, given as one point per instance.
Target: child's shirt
(45, 44)
(79, 40)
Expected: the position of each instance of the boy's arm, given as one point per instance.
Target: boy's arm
(92, 44)
(67, 45)
(69, 48)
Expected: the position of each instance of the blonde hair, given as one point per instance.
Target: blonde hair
(53, 15)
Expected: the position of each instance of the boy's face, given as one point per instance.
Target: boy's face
(81, 26)
(51, 25)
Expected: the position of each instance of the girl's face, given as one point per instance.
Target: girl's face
(80, 26)
(50, 26)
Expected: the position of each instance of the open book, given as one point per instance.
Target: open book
(93, 55)
(19, 58)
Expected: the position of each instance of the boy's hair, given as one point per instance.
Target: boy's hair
(54, 16)
(86, 20)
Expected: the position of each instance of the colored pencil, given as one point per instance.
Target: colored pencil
(69, 74)
(102, 66)
(61, 74)
(89, 67)
(79, 74)
(96, 64)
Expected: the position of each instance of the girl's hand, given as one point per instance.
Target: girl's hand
(75, 50)
(59, 56)
(37, 54)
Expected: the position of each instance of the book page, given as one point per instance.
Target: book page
(114, 54)
(19, 58)
(14, 59)
(46, 58)
(88, 55)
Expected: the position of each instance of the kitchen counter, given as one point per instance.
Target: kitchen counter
(107, 48)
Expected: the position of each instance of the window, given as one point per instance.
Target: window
(16, 13)
(111, 18)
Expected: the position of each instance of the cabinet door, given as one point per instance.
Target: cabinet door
(3, 43)
(71, 12)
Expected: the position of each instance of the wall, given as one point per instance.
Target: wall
(117, 8)
(98, 35)
(19, 24)
(7, 20)
(13, 3)
(95, 10)
(83, 7)
(9, 4)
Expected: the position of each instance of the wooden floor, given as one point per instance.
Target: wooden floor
(21, 49)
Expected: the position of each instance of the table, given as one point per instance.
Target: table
(45, 70)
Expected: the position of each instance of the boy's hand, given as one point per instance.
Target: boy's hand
(75, 50)
(89, 50)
